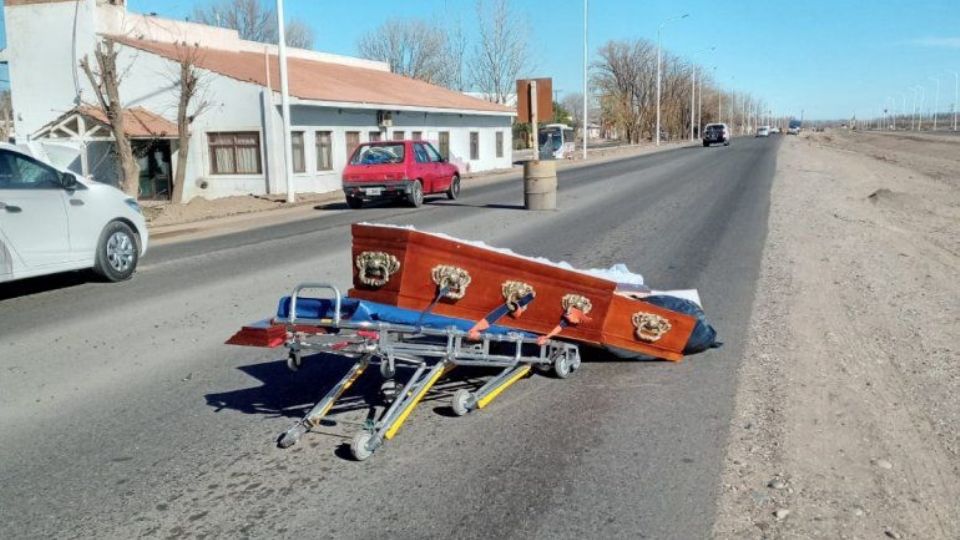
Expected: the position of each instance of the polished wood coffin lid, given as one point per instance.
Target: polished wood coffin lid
(410, 284)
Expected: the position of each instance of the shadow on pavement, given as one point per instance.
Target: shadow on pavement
(52, 282)
(492, 206)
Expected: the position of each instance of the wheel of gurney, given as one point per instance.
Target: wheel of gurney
(389, 389)
(387, 370)
(360, 446)
(463, 402)
(562, 365)
(293, 361)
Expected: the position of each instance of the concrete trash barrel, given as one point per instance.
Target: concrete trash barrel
(540, 185)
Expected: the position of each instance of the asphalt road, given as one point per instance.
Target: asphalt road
(122, 414)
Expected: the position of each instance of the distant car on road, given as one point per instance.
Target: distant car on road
(794, 127)
(763, 131)
(51, 220)
(774, 130)
(398, 170)
(716, 133)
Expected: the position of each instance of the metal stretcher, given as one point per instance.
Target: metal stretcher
(428, 345)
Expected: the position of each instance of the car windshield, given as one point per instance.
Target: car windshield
(378, 154)
(715, 128)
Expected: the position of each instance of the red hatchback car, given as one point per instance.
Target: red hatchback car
(398, 170)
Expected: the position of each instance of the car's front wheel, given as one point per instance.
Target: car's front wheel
(118, 252)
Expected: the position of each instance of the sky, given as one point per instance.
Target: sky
(825, 58)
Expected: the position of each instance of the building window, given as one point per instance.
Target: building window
(499, 144)
(398, 135)
(353, 141)
(416, 135)
(234, 153)
(324, 151)
(375, 136)
(444, 141)
(299, 160)
(474, 145)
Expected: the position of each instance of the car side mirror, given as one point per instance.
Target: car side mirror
(68, 181)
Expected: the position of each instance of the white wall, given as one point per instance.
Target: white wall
(43, 62)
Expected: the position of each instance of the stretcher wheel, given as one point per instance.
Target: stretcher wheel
(462, 402)
(294, 361)
(389, 390)
(562, 365)
(360, 446)
(387, 369)
(574, 360)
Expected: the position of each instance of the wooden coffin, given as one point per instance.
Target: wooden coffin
(406, 268)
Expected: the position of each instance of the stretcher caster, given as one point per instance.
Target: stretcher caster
(360, 447)
(562, 366)
(294, 361)
(389, 390)
(463, 402)
(387, 369)
(292, 436)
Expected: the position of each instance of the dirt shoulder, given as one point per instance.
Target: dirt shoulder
(202, 217)
(847, 420)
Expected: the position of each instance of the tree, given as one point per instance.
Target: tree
(573, 103)
(6, 115)
(501, 53)
(105, 80)
(253, 21)
(412, 47)
(561, 115)
(191, 103)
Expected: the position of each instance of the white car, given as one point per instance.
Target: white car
(51, 220)
(763, 131)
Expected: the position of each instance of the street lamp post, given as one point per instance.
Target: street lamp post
(956, 96)
(695, 96)
(659, 66)
(936, 101)
(586, 131)
(285, 102)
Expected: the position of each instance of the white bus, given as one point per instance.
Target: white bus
(556, 141)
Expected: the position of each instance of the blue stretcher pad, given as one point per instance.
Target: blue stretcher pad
(358, 311)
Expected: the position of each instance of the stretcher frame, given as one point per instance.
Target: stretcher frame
(430, 352)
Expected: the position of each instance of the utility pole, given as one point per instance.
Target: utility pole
(285, 102)
(936, 102)
(586, 131)
(956, 96)
(659, 67)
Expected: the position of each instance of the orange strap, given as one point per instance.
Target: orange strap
(480, 326)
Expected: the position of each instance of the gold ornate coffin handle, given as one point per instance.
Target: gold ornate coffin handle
(451, 279)
(374, 268)
(514, 292)
(575, 308)
(650, 326)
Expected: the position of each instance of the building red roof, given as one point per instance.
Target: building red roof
(322, 81)
(137, 122)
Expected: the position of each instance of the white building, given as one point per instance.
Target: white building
(236, 147)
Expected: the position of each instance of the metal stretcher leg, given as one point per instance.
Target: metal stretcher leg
(465, 401)
(366, 442)
(316, 414)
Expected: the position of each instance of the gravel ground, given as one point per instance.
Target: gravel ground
(847, 421)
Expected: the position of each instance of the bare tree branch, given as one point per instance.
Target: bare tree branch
(254, 20)
(501, 53)
(105, 80)
(412, 47)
